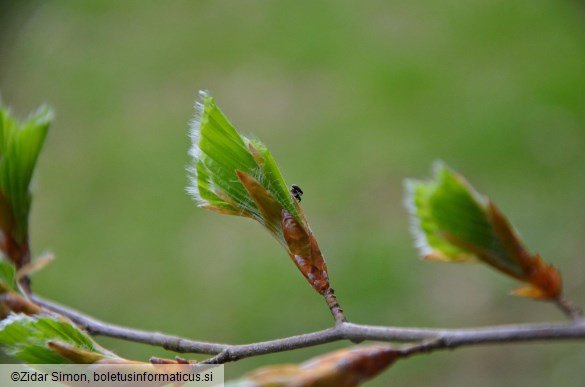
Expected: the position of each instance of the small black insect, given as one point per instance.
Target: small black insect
(296, 191)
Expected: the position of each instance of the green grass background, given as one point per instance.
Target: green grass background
(351, 98)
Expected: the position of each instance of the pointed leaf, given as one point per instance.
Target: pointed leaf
(235, 175)
(20, 145)
(452, 222)
(218, 151)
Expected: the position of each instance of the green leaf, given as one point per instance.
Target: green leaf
(452, 222)
(448, 206)
(218, 153)
(20, 145)
(236, 175)
(7, 277)
(29, 339)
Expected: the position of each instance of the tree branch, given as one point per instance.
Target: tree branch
(428, 339)
(96, 327)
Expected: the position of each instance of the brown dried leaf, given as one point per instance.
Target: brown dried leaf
(544, 280)
(344, 368)
(14, 302)
(294, 235)
(305, 252)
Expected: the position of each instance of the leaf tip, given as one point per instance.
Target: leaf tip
(421, 242)
(195, 126)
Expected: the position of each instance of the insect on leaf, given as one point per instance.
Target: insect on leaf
(236, 175)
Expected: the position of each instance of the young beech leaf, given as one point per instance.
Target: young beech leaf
(44, 339)
(235, 175)
(343, 368)
(7, 277)
(452, 222)
(20, 145)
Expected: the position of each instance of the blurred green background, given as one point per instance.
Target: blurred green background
(351, 98)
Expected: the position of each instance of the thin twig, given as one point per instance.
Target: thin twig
(334, 306)
(428, 339)
(99, 328)
(569, 308)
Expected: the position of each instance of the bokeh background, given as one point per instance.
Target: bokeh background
(352, 98)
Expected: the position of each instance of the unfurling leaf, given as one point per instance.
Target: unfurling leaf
(235, 175)
(47, 339)
(343, 368)
(452, 222)
(20, 145)
(37, 336)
